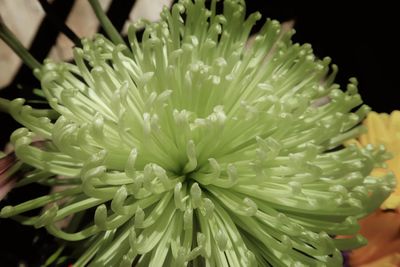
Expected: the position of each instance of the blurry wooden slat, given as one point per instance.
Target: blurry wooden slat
(145, 9)
(25, 16)
(119, 12)
(83, 22)
(22, 17)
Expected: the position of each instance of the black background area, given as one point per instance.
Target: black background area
(361, 38)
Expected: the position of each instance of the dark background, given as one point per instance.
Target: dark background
(361, 38)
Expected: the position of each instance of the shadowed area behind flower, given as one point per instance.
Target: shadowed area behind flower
(6, 179)
(12, 169)
(8, 176)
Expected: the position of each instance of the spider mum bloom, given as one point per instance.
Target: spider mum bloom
(192, 148)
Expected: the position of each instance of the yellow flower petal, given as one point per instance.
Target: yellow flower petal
(377, 130)
(392, 202)
(384, 129)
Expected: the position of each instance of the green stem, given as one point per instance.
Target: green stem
(106, 23)
(54, 256)
(12, 41)
(4, 105)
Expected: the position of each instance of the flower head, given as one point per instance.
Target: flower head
(191, 147)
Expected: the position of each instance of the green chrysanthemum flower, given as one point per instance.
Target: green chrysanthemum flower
(193, 149)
